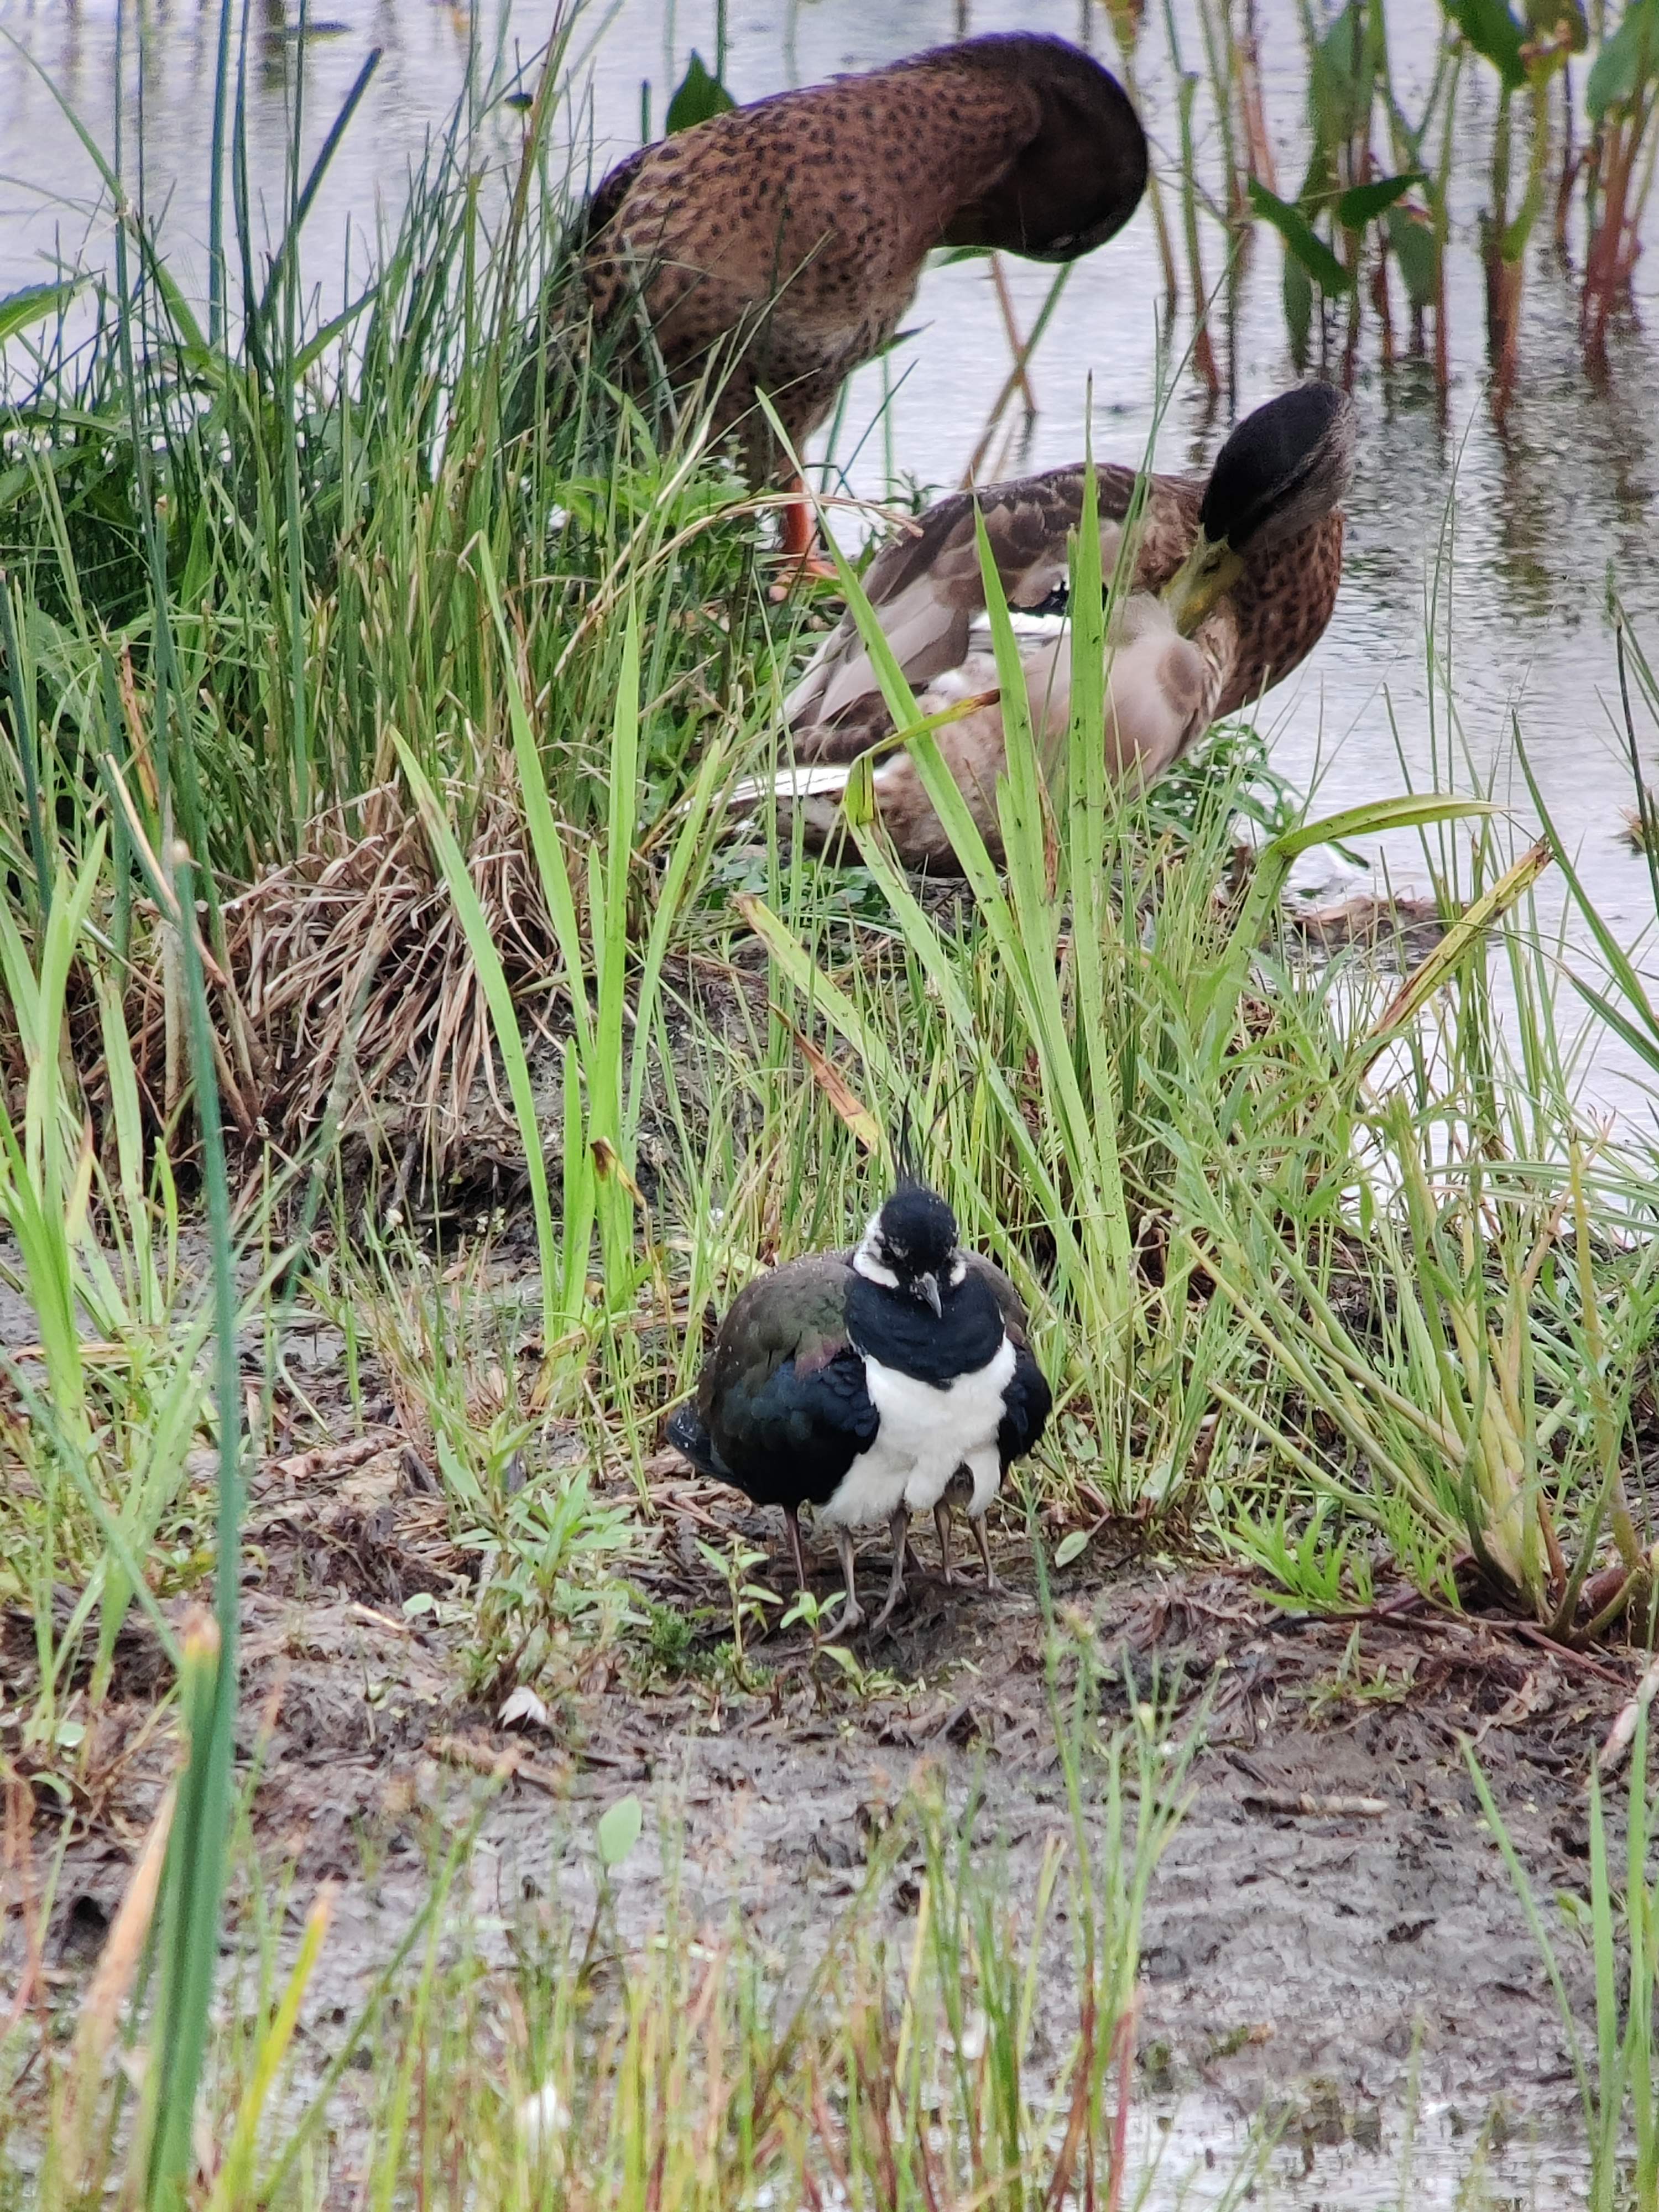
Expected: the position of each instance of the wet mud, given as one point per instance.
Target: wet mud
(1332, 1933)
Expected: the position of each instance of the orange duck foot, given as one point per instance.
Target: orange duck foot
(798, 550)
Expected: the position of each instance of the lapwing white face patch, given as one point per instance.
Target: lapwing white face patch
(871, 1258)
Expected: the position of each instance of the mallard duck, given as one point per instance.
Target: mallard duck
(1233, 581)
(868, 1383)
(777, 246)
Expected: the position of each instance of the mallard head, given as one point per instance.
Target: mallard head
(1079, 177)
(1284, 467)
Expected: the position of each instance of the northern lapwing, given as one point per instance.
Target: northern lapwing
(860, 1383)
(777, 247)
(1232, 582)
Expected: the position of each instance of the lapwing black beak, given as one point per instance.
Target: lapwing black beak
(927, 1288)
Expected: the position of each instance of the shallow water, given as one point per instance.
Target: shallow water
(1196, 2155)
(1510, 535)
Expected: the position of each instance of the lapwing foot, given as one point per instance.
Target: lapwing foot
(895, 1588)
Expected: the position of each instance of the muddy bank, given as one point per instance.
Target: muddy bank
(1330, 1916)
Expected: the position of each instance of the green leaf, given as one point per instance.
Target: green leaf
(1557, 19)
(1415, 809)
(1071, 1547)
(18, 310)
(1363, 203)
(1494, 34)
(1340, 80)
(1298, 309)
(698, 96)
(1411, 234)
(1301, 240)
(1626, 61)
(618, 1831)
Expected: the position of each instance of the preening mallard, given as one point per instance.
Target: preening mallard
(780, 244)
(863, 1383)
(1233, 581)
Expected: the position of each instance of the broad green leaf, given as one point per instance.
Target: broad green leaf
(699, 96)
(1298, 309)
(1411, 234)
(1301, 239)
(1558, 28)
(20, 310)
(1561, 22)
(1414, 810)
(1626, 61)
(618, 1831)
(1494, 34)
(1363, 203)
(1071, 1547)
(1339, 83)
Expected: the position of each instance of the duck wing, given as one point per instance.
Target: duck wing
(926, 590)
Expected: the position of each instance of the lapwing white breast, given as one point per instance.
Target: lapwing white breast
(863, 1383)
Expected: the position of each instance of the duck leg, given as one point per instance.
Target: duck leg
(791, 1521)
(852, 1615)
(992, 1580)
(799, 547)
(901, 1524)
(942, 1522)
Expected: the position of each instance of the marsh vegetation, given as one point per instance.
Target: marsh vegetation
(409, 1049)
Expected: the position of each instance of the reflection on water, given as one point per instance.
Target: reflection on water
(1195, 2155)
(1511, 536)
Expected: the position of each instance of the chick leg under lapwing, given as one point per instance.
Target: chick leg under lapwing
(853, 1614)
(959, 1491)
(901, 1527)
(942, 1522)
(791, 1521)
(992, 1580)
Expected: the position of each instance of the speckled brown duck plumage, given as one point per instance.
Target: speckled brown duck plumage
(778, 245)
(1233, 581)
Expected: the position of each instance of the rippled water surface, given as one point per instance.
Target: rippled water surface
(1513, 535)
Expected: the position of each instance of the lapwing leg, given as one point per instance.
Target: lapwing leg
(942, 1522)
(853, 1616)
(792, 1520)
(901, 1524)
(992, 1580)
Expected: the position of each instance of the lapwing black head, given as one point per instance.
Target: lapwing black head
(910, 1245)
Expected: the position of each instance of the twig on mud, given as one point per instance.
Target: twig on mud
(1307, 1805)
(1528, 1633)
(507, 1762)
(328, 1459)
(1623, 1731)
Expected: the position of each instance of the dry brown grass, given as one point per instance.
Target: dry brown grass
(347, 980)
